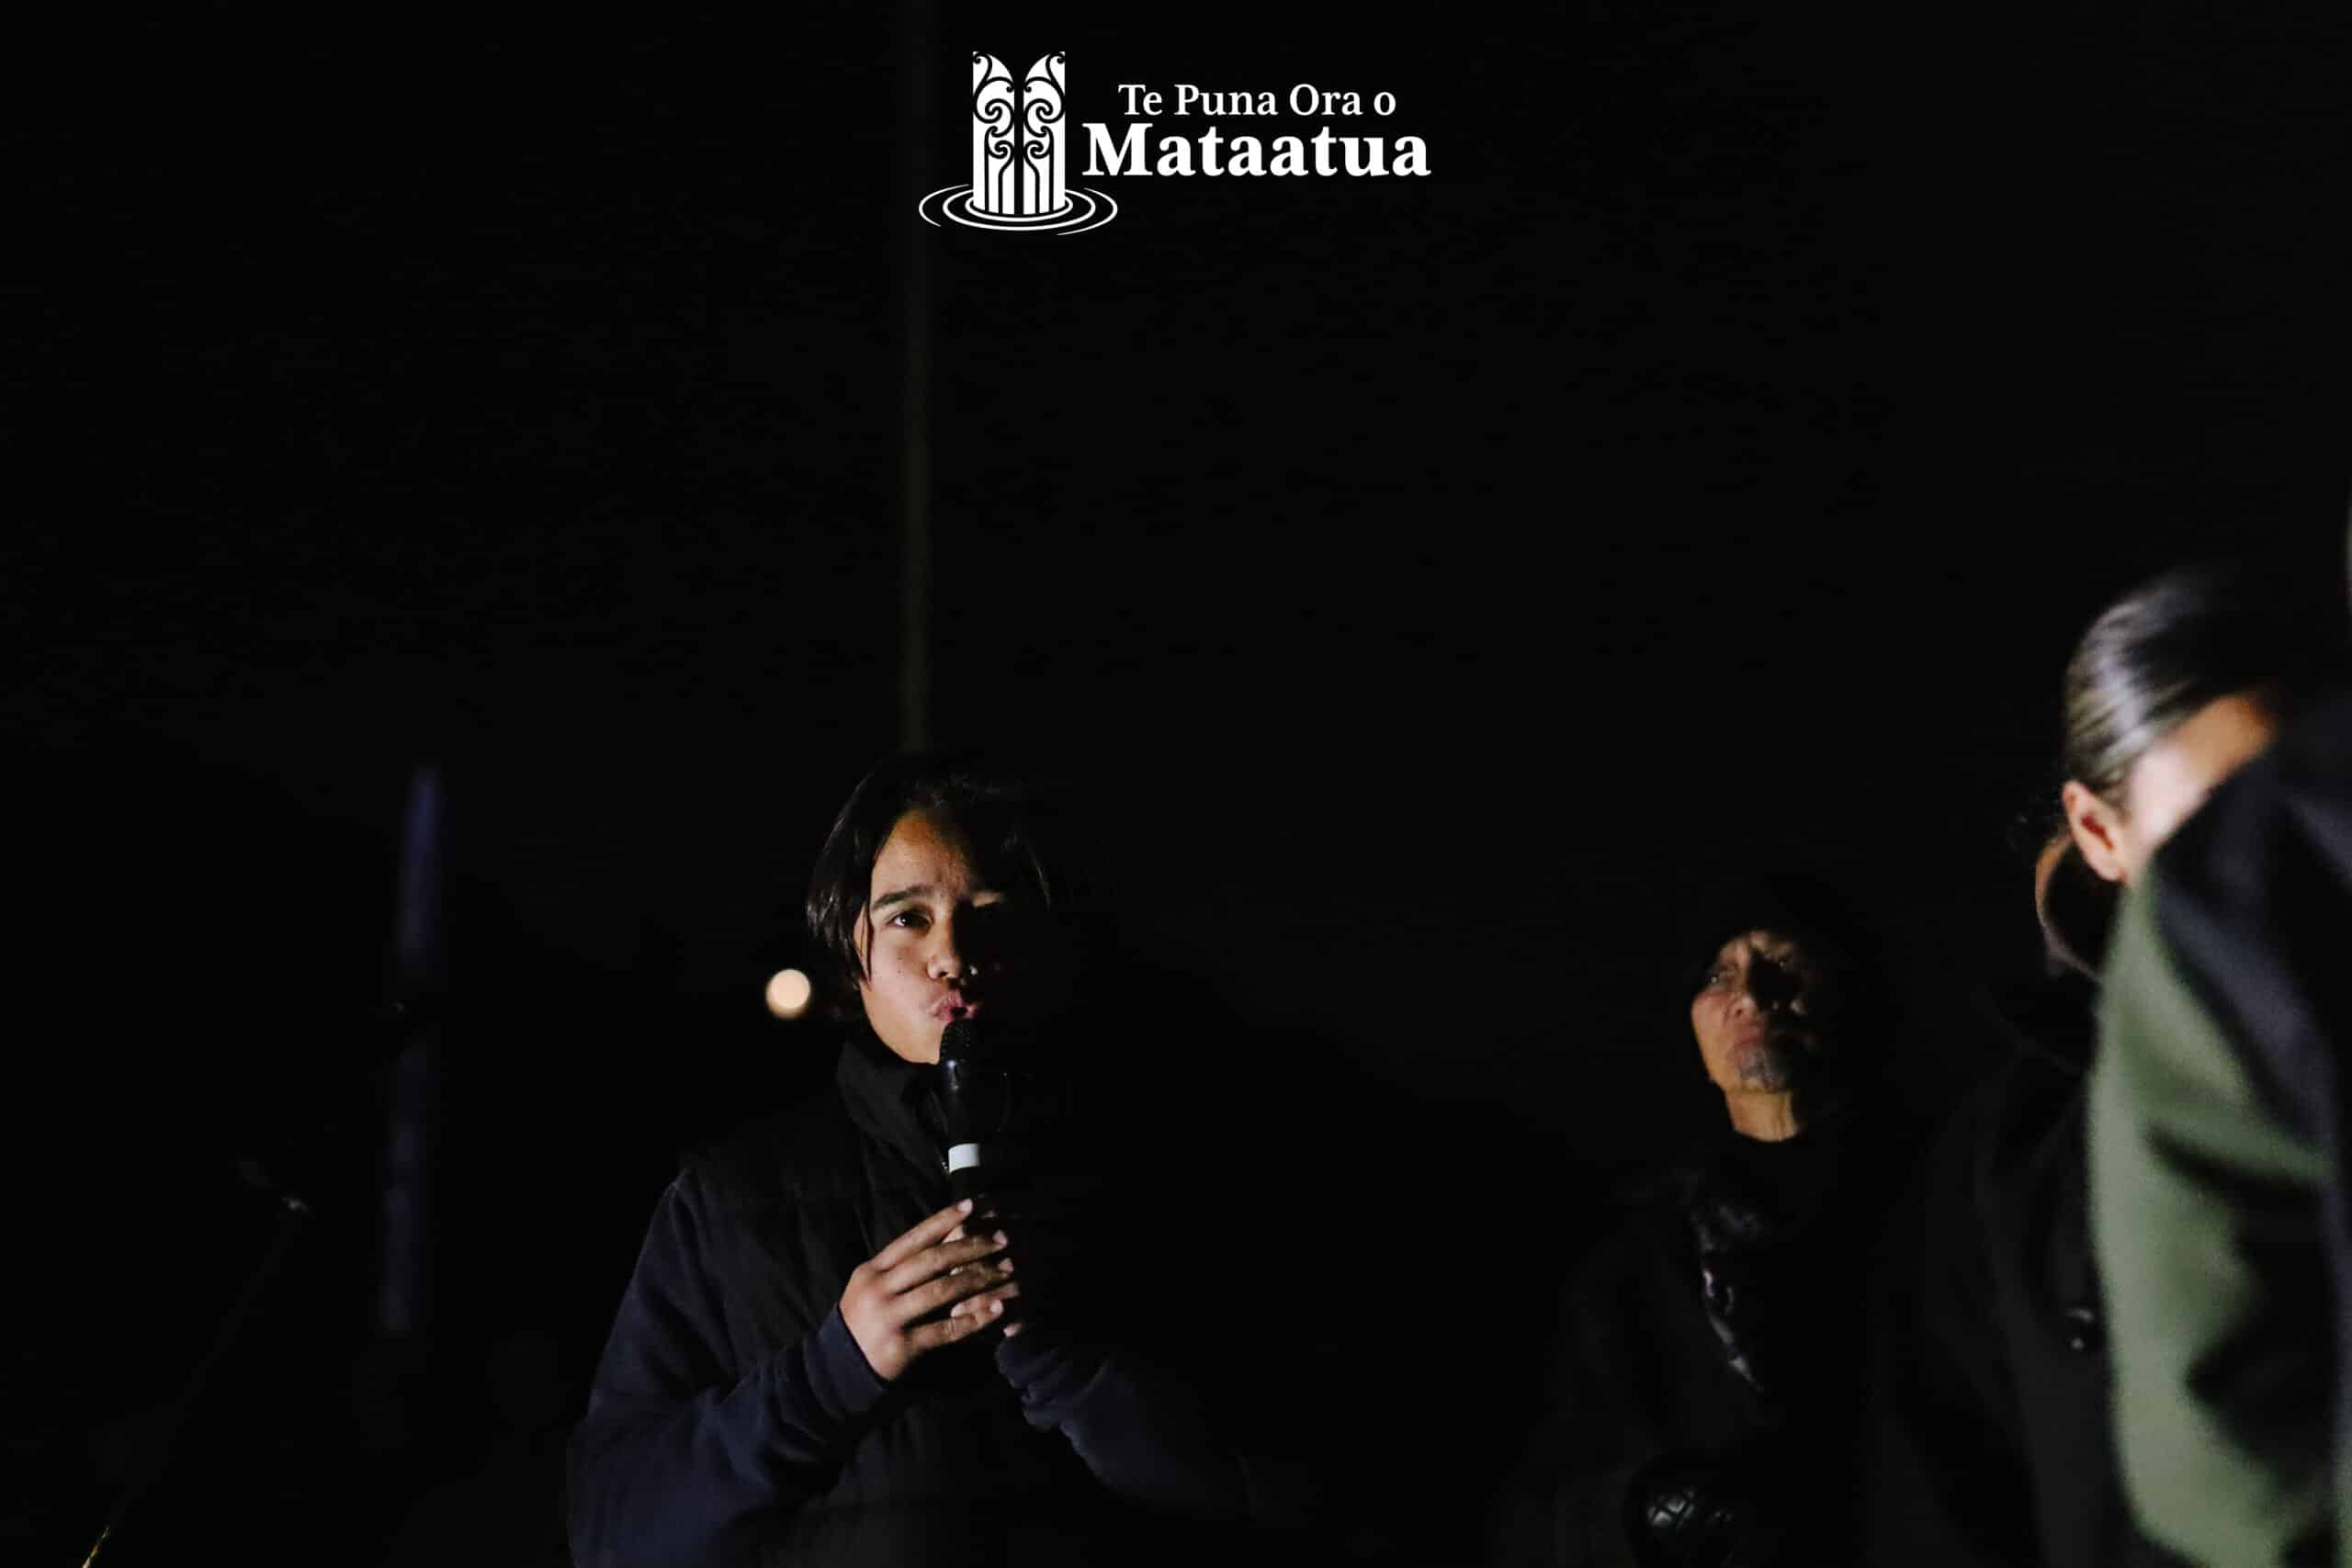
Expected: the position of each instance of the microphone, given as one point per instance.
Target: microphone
(975, 1100)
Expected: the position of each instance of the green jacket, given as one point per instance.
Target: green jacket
(2217, 1204)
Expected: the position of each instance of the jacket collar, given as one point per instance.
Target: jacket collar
(888, 1098)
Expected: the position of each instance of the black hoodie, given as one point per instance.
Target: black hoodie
(1713, 1330)
(734, 1419)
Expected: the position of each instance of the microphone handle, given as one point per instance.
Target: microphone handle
(973, 1097)
(967, 1181)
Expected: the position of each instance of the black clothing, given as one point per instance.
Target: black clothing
(1989, 1439)
(735, 1419)
(1701, 1392)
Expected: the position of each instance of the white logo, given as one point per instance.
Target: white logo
(1018, 159)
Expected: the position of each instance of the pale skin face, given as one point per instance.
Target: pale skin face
(938, 941)
(2166, 785)
(1763, 1016)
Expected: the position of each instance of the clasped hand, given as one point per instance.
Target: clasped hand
(892, 1304)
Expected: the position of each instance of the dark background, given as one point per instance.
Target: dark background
(1712, 460)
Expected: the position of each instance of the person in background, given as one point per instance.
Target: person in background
(1989, 1430)
(1698, 1407)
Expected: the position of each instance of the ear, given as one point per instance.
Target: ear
(2098, 829)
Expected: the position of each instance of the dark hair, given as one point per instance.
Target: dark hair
(2175, 644)
(1016, 825)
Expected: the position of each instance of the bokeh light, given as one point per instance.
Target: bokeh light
(788, 993)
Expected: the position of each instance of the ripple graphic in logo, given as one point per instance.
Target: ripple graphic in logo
(1018, 159)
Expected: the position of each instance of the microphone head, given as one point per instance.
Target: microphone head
(960, 1041)
(964, 1041)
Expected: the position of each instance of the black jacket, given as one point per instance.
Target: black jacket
(734, 1419)
(1988, 1440)
(1680, 1347)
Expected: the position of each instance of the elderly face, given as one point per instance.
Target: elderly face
(1767, 1010)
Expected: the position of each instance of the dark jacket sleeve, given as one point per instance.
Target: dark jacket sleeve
(1545, 1520)
(1943, 1475)
(682, 1450)
(1143, 1432)
(1563, 1504)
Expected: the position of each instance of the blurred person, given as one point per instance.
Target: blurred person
(2217, 1174)
(1989, 1436)
(819, 1356)
(1700, 1387)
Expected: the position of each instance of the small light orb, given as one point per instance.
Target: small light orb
(788, 993)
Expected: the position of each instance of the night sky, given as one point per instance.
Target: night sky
(1711, 460)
